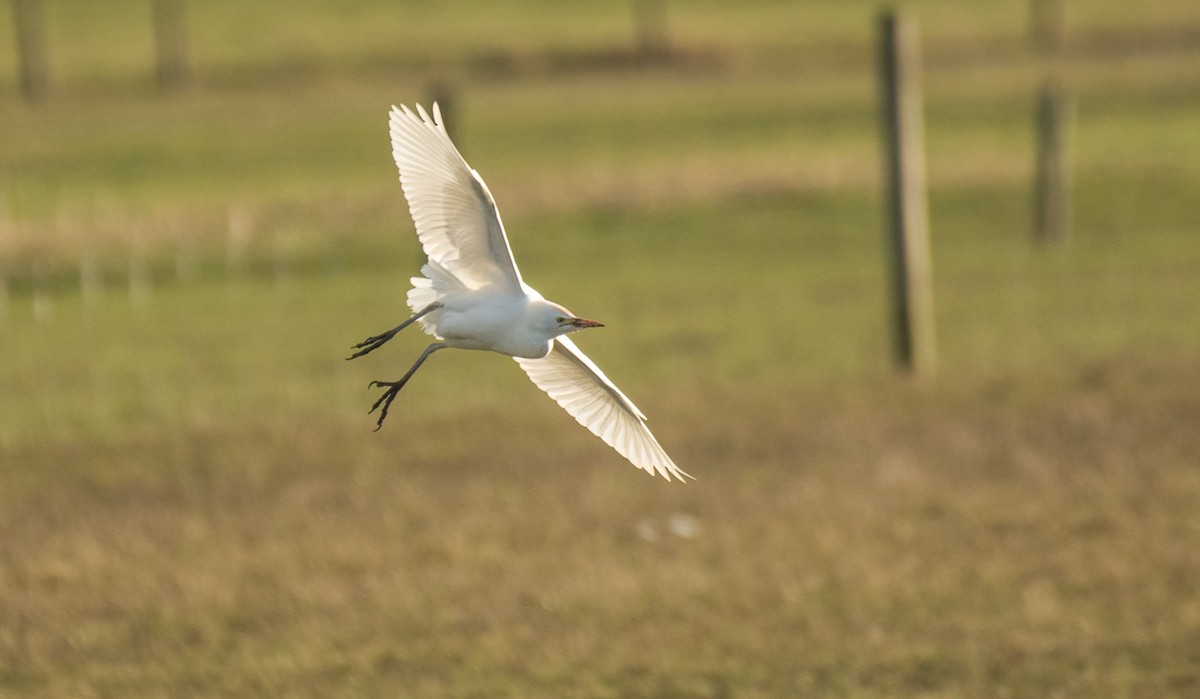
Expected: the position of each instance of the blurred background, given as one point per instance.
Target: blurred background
(199, 216)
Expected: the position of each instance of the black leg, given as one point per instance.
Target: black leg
(376, 341)
(393, 387)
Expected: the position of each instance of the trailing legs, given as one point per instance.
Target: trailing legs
(376, 341)
(393, 387)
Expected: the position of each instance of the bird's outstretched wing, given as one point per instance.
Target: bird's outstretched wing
(578, 385)
(455, 215)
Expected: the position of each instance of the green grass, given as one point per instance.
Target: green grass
(192, 501)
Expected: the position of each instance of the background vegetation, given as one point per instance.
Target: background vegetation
(192, 501)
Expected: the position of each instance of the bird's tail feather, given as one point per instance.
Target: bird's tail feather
(437, 282)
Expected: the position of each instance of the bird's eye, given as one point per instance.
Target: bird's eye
(560, 320)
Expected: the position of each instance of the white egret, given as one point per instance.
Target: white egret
(472, 296)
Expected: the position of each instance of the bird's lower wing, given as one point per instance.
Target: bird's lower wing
(578, 385)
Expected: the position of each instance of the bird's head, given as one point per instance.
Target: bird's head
(556, 320)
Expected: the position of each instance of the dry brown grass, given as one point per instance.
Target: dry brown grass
(1001, 537)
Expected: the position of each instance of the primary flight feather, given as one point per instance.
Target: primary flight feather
(472, 296)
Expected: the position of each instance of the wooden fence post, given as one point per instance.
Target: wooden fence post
(171, 44)
(908, 207)
(1048, 25)
(650, 19)
(31, 48)
(1052, 188)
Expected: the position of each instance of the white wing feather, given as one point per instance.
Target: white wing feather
(455, 214)
(578, 385)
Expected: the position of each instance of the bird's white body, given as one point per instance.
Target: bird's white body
(471, 295)
(483, 320)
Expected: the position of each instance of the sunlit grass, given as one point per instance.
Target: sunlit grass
(865, 541)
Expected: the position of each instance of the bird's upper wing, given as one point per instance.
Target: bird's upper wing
(455, 215)
(578, 385)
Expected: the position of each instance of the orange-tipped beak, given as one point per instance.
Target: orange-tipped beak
(582, 323)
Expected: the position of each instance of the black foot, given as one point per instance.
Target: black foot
(371, 344)
(393, 389)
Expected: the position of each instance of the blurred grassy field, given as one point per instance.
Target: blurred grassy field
(192, 502)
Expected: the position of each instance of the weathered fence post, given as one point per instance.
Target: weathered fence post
(31, 48)
(1048, 25)
(171, 44)
(1053, 123)
(908, 207)
(650, 19)
(1052, 187)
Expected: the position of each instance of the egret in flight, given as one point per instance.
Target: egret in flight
(472, 296)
